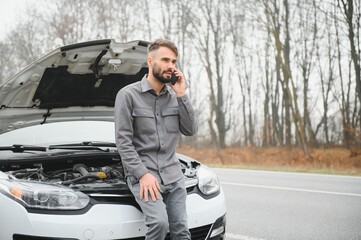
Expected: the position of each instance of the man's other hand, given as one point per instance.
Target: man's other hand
(149, 184)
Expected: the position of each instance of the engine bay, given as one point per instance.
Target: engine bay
(78, 173)
(88, 173)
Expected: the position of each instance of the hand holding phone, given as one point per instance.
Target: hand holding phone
(180, 87)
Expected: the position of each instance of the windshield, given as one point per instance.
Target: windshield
(60, 133)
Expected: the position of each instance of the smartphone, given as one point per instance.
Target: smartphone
(173, 79)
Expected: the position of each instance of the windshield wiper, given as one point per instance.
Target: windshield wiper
(85, 146)
(17, 148)
(100, 146)
(94, 144)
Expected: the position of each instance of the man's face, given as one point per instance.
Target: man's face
(162, 64)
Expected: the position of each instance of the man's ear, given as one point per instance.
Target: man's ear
(149, 61)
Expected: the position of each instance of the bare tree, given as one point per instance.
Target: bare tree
(326, 76)
(146, 22)
(344, 103)
(347, 7)
(236, 16)
(270, 121)
(183, 36)
(210, 43)
(167, 16)
(125, 26)
(244, 66)
(305, 57)
(28, 40)
(5, 62)
(67, 26)
(351, 12)
(272, 10)
(283, 58)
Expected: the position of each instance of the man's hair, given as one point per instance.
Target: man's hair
(162, 43)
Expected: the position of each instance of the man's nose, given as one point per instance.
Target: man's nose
(171, 65)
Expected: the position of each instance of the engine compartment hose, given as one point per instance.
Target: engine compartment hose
(81, 168)
(88, 178)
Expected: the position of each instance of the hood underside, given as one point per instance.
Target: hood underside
(75, 82)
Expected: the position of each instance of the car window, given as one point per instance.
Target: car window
(63, 132)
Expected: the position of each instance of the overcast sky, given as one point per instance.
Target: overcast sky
(11, 12)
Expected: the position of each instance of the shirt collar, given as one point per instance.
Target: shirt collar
(145, 87)
(145, 84)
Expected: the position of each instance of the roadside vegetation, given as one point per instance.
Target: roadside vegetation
(333, 160)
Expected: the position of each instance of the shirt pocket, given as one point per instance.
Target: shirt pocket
(171, 119)
(144, 121)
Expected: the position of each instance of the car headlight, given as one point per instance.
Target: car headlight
(207, 181)
(44, 196)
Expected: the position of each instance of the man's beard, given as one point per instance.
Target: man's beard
(157, 73)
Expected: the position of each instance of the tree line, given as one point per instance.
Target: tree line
(261, 73)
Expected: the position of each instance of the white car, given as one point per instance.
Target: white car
(61, 177)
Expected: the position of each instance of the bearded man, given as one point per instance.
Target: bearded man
(149, 116)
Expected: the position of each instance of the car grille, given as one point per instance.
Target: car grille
(199, 233)
(27, 237)
(120, 200)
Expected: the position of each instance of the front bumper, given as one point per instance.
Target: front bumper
(205, 232)
(105, 221)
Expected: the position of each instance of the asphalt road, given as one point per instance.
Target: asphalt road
(277, 205)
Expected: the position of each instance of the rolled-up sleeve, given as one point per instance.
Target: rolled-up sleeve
(124, 135)
(188, 124)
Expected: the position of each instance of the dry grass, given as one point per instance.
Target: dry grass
(331, 160)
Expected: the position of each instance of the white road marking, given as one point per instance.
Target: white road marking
(291, 189)
(287, 173)
(240, 237)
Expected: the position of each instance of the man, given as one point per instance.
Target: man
(148, 119)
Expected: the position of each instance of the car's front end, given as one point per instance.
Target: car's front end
(81, 194)
(61, 176)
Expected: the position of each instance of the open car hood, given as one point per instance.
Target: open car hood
(74, 82)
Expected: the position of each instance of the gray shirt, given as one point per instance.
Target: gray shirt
(147, 128)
